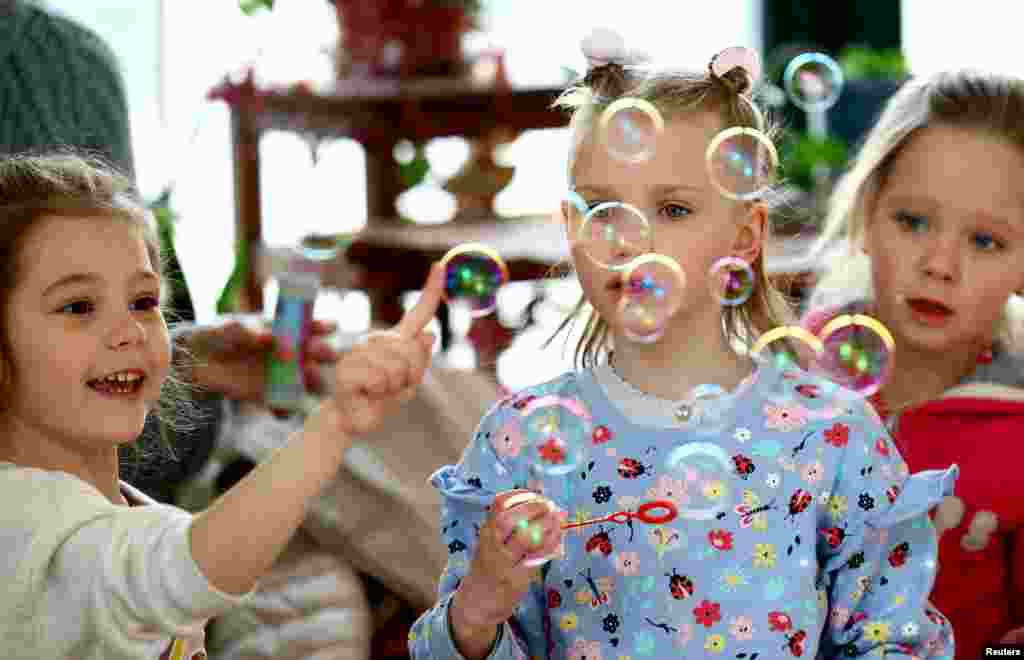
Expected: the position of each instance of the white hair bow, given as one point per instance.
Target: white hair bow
(606, 46)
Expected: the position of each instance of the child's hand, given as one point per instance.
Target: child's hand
(523, 528)
(230, 356)
(386, 369)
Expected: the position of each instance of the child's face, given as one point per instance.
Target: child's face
(691, 221)
(946, 238)
(62, 336)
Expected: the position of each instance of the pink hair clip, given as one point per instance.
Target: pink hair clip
(606, 46)
(738, 56)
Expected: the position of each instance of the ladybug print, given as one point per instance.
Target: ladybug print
(525, 401)
(680, 585)
(935, 617)
(799, 502)
(809, 391)
(601, 435)
(744, 466)
(795, 643)
(834, 536)
(600, 542)
(892, 492)
(630, 468)
(898, 555)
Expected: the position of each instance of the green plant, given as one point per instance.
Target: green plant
(803, 153)
(861, 62)
(250, 7)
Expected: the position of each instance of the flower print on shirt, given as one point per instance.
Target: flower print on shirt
(667, 488)
(508, 440)
(812, 473)
(720, 539)
(583, 649)
(708, 613)
(710, 577)
(627, 563)
(838, 435)
(785, 418)
(742, 628)
(715, 643)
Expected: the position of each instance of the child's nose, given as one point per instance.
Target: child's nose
(941, 260)
(127, 331)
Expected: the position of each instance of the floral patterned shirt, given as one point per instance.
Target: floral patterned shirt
(799, 531)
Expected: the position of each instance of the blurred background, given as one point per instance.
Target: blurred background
(174, 53)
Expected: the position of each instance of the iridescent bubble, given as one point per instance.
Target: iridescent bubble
(813, 81)
(529, 532)
(703, 475)
(614, 233)
(473, 275)
(556, 432)
(787, 347)
(652, 292)
(629, 129)
(731, 280)
(858, 353)
(741, 163)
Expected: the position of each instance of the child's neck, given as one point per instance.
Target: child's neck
(99, 468)
(671, 369)
(920, 376)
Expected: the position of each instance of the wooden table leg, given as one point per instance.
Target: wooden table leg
(245, 138)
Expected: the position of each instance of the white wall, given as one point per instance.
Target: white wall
(173, 51)
(949, 35)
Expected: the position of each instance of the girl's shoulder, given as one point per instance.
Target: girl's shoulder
(566, 387)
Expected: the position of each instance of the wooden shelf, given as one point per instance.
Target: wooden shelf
(376, 115)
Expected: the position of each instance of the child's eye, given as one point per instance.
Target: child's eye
(987, 242)
(78, 307)
(603, 213)
(676, 211)
(148, 303)
(912, 222)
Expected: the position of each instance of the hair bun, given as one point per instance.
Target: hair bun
(603, 46)
(737, 69)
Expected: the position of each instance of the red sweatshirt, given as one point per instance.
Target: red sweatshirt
(979, 425)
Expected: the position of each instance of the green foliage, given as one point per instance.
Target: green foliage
(803, 152)
(250, 7)
(415, 171)
(859, 62)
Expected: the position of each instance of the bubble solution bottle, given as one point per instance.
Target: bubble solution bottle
(298, 286)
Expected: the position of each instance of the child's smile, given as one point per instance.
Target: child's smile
(86, 312)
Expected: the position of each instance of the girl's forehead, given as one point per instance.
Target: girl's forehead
(980, 185)
(89, 243)
(678, 156)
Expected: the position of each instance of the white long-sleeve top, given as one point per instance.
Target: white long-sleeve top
(87, 579)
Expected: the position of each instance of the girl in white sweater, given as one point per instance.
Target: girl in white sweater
(84, 356)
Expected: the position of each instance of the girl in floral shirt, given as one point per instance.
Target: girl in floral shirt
(797, 530)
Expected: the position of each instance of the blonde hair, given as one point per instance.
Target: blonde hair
(36, 187)
(674, 94)
(985, 102)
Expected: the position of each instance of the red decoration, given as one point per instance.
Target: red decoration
(403, 38)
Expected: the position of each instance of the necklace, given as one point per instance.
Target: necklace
(681, 410)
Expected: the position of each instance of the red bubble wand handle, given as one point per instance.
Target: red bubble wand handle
(668, 513)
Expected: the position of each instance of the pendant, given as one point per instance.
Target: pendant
(683, 413)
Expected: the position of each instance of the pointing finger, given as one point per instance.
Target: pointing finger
(417, 318)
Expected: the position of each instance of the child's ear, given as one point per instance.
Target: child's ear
(750, 238)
